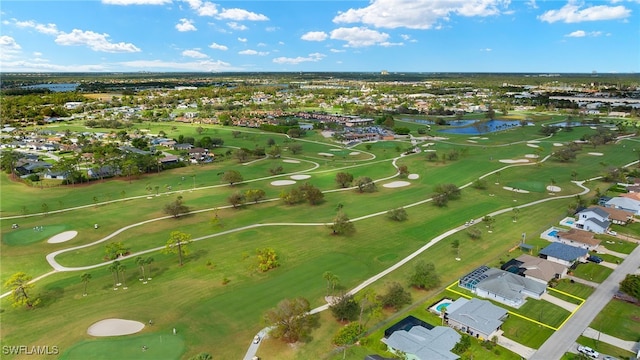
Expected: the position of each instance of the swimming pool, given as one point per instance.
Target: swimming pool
(440, 306)
(553, 233)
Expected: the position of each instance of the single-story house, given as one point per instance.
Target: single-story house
(624, 203)
(564, 254)
(169, 159)
(420, 343)
(577, 237)
(32, 167)
(535, 268)
(103, 172)
(182, 147)
(502, 286)
(479, 318)
(57, 175)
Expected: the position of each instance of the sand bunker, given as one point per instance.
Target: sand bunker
(62, 237)
(115, 327)
(472, 141)
(516, 190)
(396, 184)
(354, 153)
(553, 188)
(335, 149)
(428, 144)
(291, 161)
(430, 150)
(300, 177)
(596, 154)
(533, 142)
(533, 145)
(508, 161)
(413, 176)
(558, 144)
(532, 156)
(282, 182)
(324, 154)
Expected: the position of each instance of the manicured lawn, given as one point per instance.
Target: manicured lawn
(592, 272)
(604, 348)
(159, 346)
(222, 319)
(574, 288)
(544, 312)
(620, 319)
(26, 236)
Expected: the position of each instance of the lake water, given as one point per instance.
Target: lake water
(478, 127)
(55, 87)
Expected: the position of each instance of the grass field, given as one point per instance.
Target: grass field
(221, 317)
(158, 346)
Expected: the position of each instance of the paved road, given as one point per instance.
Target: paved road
(564, 339)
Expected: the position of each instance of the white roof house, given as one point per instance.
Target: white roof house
(624, 203)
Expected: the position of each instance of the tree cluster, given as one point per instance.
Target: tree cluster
(267, 259)
(424, 276)
(304, 192)
(444, 193)
(290, 320)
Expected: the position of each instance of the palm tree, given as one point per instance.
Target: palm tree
(85, 279)
(116, 277)
(148, 261)
(122, 269)
(140, 262)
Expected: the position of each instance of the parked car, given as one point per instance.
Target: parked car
(588, 351)
(595, 259)
(256, 339)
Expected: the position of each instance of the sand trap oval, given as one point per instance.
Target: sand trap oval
(282, 182)
(62, 237)
(596, 154)
(300, 177)
(558, 144)
(533, 145)
(509, 161)
(324, 154)
(115, 327)
(396, 184)
(553, 188)
(354, 153)
(335, 149)
(472, 141)
(532, 156)
(413, 176)
(291, 161)
(428, 144)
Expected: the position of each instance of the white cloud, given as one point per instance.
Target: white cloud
(337, 50)
(418, 14)
(271, 28)
(136, 2)
(241, 14)
(203, 8)
(7, 43)
(315, 36)
(194, 53)
(486, 50)
(532, 4)
(405, 37)
(48, 29)
(95, 41)
(235, 26)
(297, 60)
(572, 13)
(185, 25)
(244, 40)
(253, 52)
(204, 65)
(37, 54)
(218, 47)
(39, 65)
(359, 36)
(582, 33)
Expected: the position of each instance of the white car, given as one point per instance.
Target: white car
(256, 339)
(588, 351)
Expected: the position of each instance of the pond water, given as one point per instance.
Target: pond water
(54, 87)
(482, 127)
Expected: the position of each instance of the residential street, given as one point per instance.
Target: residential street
(563, 339)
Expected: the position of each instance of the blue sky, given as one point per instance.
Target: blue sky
(294, 35)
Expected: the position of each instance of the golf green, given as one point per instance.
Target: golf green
(158, 346)
(32, 235)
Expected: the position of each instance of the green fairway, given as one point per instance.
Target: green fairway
(217, 298)
(22, 236)
(165, 346)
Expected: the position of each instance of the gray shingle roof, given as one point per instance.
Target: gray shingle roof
(434, 344)
(478, 314)
(510, 286)
(563, 251)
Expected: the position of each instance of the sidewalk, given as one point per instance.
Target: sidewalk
(583, 281)
(524, 351)
(622, 344)
(556, 301)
